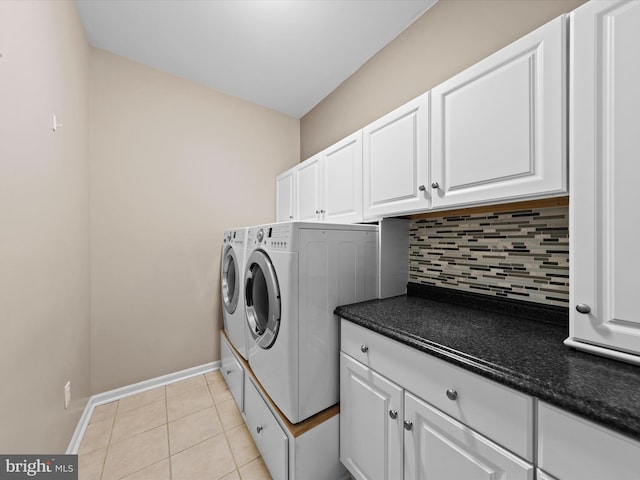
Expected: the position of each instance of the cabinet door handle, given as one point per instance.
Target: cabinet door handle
(408, 425)
(393, 414)
(259, 429)
(364, 348)
(228, 371)
(422, 188)
(452, 394)
(435, 185)
(583, 308)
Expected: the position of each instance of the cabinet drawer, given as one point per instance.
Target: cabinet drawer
(266, 432)
(570, 447)
(232, 372)
(498, 412)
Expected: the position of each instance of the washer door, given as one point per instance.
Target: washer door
(262, 299)
(231, 281)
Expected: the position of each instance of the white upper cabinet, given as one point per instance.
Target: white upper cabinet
(342, 181)
(495, 132)
(309, 189)
(396, 161)
(328, 186)
(498, 128)
(285, 196)
(604, 145)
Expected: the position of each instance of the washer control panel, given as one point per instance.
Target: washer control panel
(236, 237)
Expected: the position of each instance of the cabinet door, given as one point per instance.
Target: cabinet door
(308, 191)
(396, 161)
(437, 447)
(342, 181)
(285, 196)
(541, 475)
(604, 146)
(370, 423)
(498, 127)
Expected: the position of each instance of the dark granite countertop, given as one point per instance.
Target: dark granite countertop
(527, 355)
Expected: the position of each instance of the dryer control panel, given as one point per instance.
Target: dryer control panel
(273, 237)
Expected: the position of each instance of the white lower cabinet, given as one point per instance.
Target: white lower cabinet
(305, 451)
(491, 409)
(370, 422)
(570, 447)
(439, 447)
(406, 414)
(266, 432)
(232, 372)
(542, 475)
(387, 433)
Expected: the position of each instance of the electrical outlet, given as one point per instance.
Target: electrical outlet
(67, 394)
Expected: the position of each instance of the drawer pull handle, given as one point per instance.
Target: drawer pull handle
(393, 414)
(364, 348)
(408, 425)
(259, 429)
(452, 394)
(583, 308)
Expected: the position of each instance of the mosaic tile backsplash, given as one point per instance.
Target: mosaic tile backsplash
(521, 254)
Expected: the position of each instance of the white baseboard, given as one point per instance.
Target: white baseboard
(118, 393)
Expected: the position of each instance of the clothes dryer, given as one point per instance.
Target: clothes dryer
(296, 275)
(232, 267)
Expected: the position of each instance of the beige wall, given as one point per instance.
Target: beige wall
(449, 37)
(44, 225)
(173, 165)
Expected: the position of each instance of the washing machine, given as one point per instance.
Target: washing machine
(232, 267)
(296, 274)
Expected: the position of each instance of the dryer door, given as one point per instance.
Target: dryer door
(231, 280)
(262, 299)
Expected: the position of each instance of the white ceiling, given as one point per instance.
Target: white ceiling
(286, 55)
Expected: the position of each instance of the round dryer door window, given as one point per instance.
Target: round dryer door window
(230, 281)
(262, 299)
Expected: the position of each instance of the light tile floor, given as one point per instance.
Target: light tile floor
(188, 430)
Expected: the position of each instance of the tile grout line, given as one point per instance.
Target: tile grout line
(224, 432)
(212, 397)
(106, 453)
(139, 433)
(226, 438)
(166, 411)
